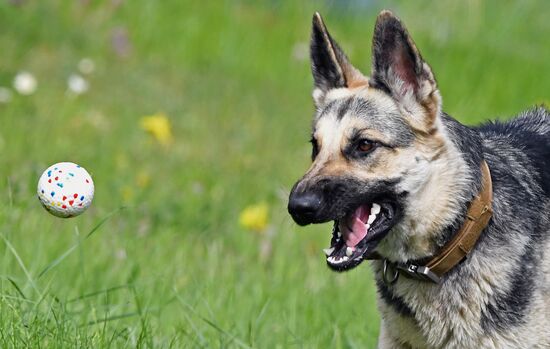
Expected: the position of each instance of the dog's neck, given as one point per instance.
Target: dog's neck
(471, 152)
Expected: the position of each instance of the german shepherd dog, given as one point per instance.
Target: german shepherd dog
(397, 176)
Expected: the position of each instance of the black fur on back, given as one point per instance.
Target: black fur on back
(529, 132)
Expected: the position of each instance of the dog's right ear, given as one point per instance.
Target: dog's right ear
(330, 67)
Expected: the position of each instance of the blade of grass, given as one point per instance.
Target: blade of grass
(213, 325)
(14, 284)
(253, 326)
(105, 219)
(19, 299)
(143, 335)
(59, 259)
(20, 261)
(198, 332)
(110, 318)
(232, 337)
(96, 293)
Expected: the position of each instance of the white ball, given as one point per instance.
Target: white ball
(65, 189)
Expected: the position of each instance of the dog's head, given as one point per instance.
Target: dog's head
(381, 160)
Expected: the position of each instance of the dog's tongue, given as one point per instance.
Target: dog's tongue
(357, 223)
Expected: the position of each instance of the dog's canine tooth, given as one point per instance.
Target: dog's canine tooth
(371, 219)
(375, 209)
(349, 251)
(328, 251)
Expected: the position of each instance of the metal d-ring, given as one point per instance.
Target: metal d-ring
(395, 276)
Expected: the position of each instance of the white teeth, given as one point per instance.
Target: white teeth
(334, 260)
(367, 226)
(349, 251)
(339, 234)
(375, 209)
(371, 219)
(328, 251)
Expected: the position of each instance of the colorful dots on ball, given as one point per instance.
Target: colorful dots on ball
(78, 187)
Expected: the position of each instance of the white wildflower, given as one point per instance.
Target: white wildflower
(77, 84)
(25, 83)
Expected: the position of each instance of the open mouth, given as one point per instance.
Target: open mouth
(356, 235)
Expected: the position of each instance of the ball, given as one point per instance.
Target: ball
(65, 189)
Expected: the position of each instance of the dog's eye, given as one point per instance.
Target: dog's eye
(365, 145)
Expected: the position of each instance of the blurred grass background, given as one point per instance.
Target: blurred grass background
(174, 268)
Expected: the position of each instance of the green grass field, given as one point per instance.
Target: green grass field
(160, 259)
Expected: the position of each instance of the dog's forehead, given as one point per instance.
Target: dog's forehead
(346, 112)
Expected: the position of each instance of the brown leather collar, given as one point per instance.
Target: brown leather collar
(478, 216)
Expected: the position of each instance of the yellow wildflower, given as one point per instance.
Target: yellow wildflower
(143, 179)
(127, 194)
(255, 217)
(158, 125)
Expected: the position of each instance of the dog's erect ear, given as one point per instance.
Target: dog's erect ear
(398, 68)
(329, 65)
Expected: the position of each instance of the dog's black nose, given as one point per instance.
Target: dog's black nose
(303, 207)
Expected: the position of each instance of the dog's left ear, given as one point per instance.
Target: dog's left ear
(398, 68)
(330, 67)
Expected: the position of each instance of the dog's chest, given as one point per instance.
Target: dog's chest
(424, 315)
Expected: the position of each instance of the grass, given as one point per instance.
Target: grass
(160, 259)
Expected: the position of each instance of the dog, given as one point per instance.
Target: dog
(406, 185)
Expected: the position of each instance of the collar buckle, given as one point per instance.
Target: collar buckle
(391, 272)
(418, 272)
